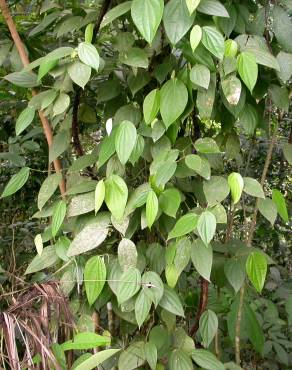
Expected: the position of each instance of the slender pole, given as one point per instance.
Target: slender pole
(25, 61)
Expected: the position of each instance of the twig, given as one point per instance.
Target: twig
(25, 61)
(202, 305)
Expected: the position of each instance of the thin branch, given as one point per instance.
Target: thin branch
(25, 61)
(202, 305)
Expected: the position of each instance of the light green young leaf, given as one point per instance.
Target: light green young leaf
(116, 195)
(192, 5)
(202, 258)
(24, 120)
(236, 184)
(184, 225)
(253, 187)
(213, 41)
(142, 307)
(16, 182)
(256, 269)
(171, 275)
(46, 66)
(88, 34)
(88, 54)
(206, 145)
(169, 201)
(151, 208)
(247, 69)
(195, 36)
(206, 226)
(147, 15)
(59, 214)
(151, 105)
(174, 98)
(115, 13)
(38, 242)
(125, 140)
(79, 73)
(129, 284)
(99, 195)
(48, 188)
(268, 209)
(86, 340)
(94, 278)
(200, 76)
(279, 200)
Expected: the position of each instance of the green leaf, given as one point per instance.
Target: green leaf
(116, 195)
(248, 119)
(59, 214)
(138, 150)
(94, 278)
(216, 190)
(151, 355)
(213, 41)
(142, 307)
(192, 5)
(125, 140)
(91, 236)
(256, 269)
(206, 360)
(115, 13)
(47, 20)
(285, 66)
(88, 54)
(234, 270)
(200, 76)
(180, 360)
(247, 69)
(236, 184)
(253, 329)
(24, 120)
(199, 164)
(202, 258)
(23, 79)
(80, 204)
(184, 225)
(282, 27)
(38, 242)
(134, 57)
(47, 259)
(253, 187)
(169, 201)
(164, 173)
(129, 284)
(59, 145)
(43, 99)
(177, 20)
(61, 104)
(206, 145)
(287, 151)
(132, 357)
(171, 275)
(147, 15)
(174, 98)
(16, 182)
(96, 359)
(79, 73)
(86, 340)
(48, 188)
(280, 97)
(212, 7)
(107, 149)
(153, 286)
(206, 226)
(208, 327)
(195, 36)
(151, 208)
(231, 87)
(88, 34)
(268, 209)
(127, 254)
(279, 200)
(46, 66)
(171, 302)
(99, 195)
(151, 105)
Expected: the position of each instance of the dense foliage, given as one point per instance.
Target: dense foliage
(145, 152)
